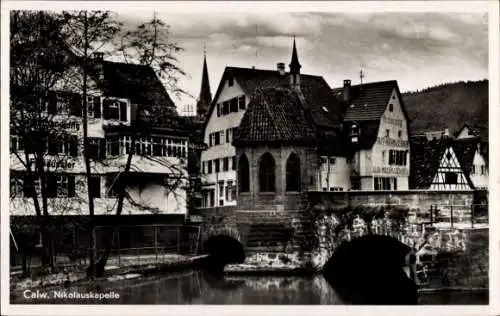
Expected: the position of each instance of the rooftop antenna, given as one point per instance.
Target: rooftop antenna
(256, 45)
(361, 75)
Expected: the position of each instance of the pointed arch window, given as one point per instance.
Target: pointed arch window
(293, 173)
(267, 177)
(244, 174)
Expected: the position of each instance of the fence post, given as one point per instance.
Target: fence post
(472, 215)
(432, 211)
(451, 215)
(178, 240)
(156, 244)
(119, 248)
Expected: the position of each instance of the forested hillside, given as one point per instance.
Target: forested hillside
(448, 106)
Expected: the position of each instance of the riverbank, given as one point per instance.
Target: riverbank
(125, 268)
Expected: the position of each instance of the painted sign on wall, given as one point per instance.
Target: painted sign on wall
(392, 142)
(400, 171)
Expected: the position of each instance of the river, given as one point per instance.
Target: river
(199, 287)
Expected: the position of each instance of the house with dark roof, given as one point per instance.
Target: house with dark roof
(438, 164)
(468, 130)
(121, 94)
(350, 138)
(376, 123)
(472, 153)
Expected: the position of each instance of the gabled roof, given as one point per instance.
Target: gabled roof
(369, 100)
(274, 115)
(426, 158)
(139, 83)
(316, 91)
(465, 149)
(478, 131)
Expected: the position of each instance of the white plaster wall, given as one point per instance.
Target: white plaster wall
(479, 181)
(338, 175)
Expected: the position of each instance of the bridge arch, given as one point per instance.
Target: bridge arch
(224, 246)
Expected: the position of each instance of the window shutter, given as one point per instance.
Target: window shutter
(75, 105)
(123, 111)
(52, 102)
(218, 109)
(73, 146)
(105, 108)
(97, 107)
(71, 185)
(51, 185)
(102, 148)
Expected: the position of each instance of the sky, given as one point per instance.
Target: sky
(416, 49)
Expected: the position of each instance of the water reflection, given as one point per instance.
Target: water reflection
(200, 287)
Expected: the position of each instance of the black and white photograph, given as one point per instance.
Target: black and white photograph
(241, 154)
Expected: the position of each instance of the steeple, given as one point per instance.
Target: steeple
(205, 97)
(294, 64)
(295, 68)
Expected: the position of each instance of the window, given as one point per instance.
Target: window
(209, 166)
(125, 144)
(483, 170)
(159, 147)
(95, 187)
(229, 191)
(62, 185)
(203, 167)
(94, 149)
(233, 105)
(400, 133)
(233, 163)
(391, 107)
(225, 107)
(221, 189)
(354, 130)
(387, 133)
(112, 146)
(473, 171)
(16, 143)
(242, 102)
(331, 161)
(244, 174)
(397, 157)
(450, 178)
(61, 104)
(114, 109)
(225, 164)
(16, 186)
(31, 185)
(94, 107)
(218, 109)
(384, 183)
(293, 173)
(383, 156)
(230, 81)
(228, 135)
(267, 180)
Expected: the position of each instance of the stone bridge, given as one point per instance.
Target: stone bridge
(323, 220)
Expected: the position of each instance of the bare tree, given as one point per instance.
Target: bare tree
(88, 32)
(39, 146)
(149, 45)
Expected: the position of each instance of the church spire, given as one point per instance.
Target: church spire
(294, 64)
(295, 69)
(205, 97)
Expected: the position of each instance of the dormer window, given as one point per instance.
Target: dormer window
(114, 109)
(354, 130)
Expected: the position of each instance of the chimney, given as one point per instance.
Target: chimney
(347, 91)
(281, 69)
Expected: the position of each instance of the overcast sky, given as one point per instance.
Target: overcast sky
(417, 49)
